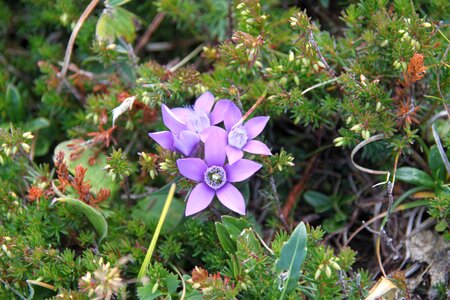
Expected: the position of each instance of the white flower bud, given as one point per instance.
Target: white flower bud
(317, 275)
(291, 56)
(25, 147)
(328, 271)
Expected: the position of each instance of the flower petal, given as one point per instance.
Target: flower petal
(205, 102)
(199, 199)
(204, 134)
(186, 142)
(233, 154)
(241, 170)
(230, 197)
(232, 116)
(164, 138)
(215, 147)
(219, 111)
(256, 147)
(171, 120)
(192, 168)
(255, 126)
(182, 113)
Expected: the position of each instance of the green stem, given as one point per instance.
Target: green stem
(187, 58)
(152, 246)
(320, 84)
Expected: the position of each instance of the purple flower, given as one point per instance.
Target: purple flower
(214, 177)
(178, 138)
(188, 125)
(240, 136)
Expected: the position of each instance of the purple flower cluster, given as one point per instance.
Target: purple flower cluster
(190, 128)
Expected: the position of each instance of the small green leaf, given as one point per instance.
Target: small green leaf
(116, 2)
(14, 104)
(292, 256)
(146, 292)
(436, 163)
(116, 22)
(37, 124)
(248, 245)
(97, 220)
(319, 201)
(441, 226)
(414, 176)
(149, 209)
(172, 283)
(234, 226)
(225, 240)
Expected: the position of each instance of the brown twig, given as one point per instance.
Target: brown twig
(298, 188)
(149, 32)
(72, 38)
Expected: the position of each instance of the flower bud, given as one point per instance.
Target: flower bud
(335, 265)
(305, 61)
(321, 64)
(25, 147)
(426, 24)
(317, 275)
(291, 56)
(28, 135)
(356, 127)
(328, 271)
(384, 43)
(378, 107)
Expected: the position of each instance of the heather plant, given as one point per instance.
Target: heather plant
(224, 149)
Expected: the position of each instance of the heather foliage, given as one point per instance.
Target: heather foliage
(224, 149)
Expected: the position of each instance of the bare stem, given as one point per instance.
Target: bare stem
(149, 32)
(73, 36)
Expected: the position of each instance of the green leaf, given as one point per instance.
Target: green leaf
(14, 104)
(116, 2)
(44, 138)
(319, 201)
(248, 245)
(436, 163)
(149, 209)
(97, 220)
(37, 124)
(172, 283)
(292, 256)
(234, 226)
(225, 240)
(116, 22)
(95, 173)
(414, 176)
(146, 292)
(441, 226)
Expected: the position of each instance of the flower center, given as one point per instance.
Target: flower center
(199, 120)
(215, 177)
(237, 137)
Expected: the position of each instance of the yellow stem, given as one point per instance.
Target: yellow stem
(152, 246)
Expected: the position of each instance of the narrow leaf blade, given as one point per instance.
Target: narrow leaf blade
(292, 256)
